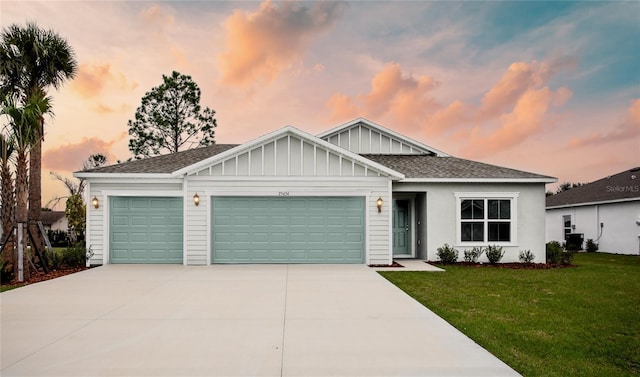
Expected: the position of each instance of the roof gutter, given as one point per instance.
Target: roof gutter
(80, 174)
(614, 201)
(479, 180)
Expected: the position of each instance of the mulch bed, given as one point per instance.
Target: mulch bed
(513, 266)
(39, 276)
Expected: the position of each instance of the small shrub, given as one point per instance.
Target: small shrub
(53, 259)
(58, 238)
(494, 253)
(76, 255)
(6, 272)
(447, 254)
(473, 255)
(566, 257)
(592, 247)
(526, 256)
(556, 254)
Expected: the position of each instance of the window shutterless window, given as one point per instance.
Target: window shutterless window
(486, 220)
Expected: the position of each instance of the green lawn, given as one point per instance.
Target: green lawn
(582, 321)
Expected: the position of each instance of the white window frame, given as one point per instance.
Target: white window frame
(511, 196)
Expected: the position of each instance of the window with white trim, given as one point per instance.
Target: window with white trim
(486, 219)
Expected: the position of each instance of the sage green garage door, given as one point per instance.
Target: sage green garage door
(288, 229)
(145, 230)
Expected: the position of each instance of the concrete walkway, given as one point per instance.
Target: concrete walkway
(411, 265)
(236, 320)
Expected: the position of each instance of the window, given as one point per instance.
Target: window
(486, 220)
(566, 219)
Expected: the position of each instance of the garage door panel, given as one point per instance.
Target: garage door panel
(146, 230)
(288, 230)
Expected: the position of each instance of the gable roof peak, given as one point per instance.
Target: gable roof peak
(360, 121)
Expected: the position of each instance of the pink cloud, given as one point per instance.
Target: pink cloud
(157, 17)
(517, 107)
(404, 98)
(527, 118)
(93, 79)
(70, 157)
(261, 44)
(628, 129)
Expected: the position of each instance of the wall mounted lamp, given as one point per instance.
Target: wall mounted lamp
(95, 202)
(379, 204)
(196, 199)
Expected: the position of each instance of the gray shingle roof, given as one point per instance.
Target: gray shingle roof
(621, 186)
(166, 163)
(50, 217)
(427, 166)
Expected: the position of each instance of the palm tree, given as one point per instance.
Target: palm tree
(31, 60)
(8, 198)
(23, 121)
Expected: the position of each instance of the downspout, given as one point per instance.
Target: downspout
(598, 224)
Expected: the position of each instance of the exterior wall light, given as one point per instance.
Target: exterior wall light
(95, 202)
(379, 204)
(196, 199)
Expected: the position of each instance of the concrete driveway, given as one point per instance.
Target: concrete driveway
(236, 320)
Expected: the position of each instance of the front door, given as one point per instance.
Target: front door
(401, 227)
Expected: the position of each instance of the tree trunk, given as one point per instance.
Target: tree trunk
(21, 208)
(35, 193)
(8, 214)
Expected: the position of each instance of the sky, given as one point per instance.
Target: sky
(547, 87)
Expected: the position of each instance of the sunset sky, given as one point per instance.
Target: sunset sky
(547, 87)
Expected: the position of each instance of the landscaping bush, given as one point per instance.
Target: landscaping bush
(6, 272)
(592, 247)
(473, 255)
(447, 254)
(526, 256)
(76, 256)
(53, 259)
(58, 238)
(494, 253)
(556, 254)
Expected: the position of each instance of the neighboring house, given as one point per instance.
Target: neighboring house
(606, 211)
(359, 193)
(54, 220)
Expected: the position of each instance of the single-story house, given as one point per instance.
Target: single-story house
(606, 211)
(54, 220)
(358, 193)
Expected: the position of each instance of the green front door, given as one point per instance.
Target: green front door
(401, 227)
(145, 230)
(288, 229)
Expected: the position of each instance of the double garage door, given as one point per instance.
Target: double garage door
(243, 230)
(288, 230)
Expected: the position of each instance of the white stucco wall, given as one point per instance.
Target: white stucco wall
(441, 221)
(619, 233)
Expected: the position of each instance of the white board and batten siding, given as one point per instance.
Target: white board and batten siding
(289, 165)
(288, 156)
(98, 218)
(362, 138)
(197, 222)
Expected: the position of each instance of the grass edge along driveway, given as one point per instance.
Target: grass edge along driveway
(582, 321)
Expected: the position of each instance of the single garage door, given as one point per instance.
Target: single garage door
(145, 230)
(288, 229)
